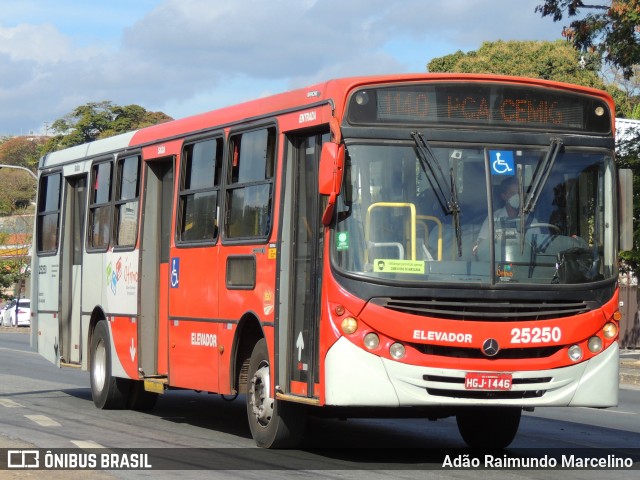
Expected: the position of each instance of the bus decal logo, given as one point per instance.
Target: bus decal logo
(490, 347)
(501, 162)
(112, 278)
(175, 272)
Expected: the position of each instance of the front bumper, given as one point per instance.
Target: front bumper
(355, 377)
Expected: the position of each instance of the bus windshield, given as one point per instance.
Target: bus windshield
(476, 214)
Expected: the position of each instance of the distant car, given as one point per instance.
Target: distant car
(20, 316)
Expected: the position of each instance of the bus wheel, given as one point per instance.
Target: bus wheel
(273, 423)
(108, 392)
(490, 427)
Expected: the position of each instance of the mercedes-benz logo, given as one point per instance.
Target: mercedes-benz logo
(490, 347)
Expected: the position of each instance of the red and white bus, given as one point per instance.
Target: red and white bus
(426, 245)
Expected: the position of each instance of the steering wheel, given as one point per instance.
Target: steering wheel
(554, 228)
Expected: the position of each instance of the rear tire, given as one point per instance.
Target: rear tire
(273, 423)
(490, 427)
(108, 392)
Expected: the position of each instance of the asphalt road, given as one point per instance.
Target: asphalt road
(51, 408)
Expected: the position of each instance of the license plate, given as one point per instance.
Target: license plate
(487, 381)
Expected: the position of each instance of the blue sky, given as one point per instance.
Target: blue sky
(184, 57)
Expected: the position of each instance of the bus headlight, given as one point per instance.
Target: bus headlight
(575, 353)
(595, 344)
(349, 325)
(362, 98)
(397, 351)
(371, 341)
(610, 330)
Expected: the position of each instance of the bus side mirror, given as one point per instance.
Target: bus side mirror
(625, 187)
(330, 176)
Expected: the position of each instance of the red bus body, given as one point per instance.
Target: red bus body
(207, 263)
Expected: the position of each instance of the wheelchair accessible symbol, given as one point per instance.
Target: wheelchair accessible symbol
(501, 162)
(175, 272)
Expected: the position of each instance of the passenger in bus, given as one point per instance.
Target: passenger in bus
(510, 197)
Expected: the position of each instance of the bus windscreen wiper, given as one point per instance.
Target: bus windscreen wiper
(541, 174)
(438, 181)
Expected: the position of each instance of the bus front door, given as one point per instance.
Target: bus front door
(301, 268)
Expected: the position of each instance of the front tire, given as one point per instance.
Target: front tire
(273, 423)
(489, 427)
(108, 392)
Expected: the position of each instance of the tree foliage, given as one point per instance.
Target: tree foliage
(22, 151)
(609, 29)
(18, 187)
(95, 120)
(536, 59)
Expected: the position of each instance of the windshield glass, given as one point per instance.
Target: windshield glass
(469, 214)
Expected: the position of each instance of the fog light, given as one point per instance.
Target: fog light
(371, 341)
(349, 325)
(610, 330)
(595, 344)
(575, 353)
(397, 351)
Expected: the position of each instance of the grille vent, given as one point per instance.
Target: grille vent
(483, 309)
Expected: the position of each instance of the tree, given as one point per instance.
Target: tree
(22, 151)
(15, 241)
(18, 187)
(95, 120)
(607, 28)
(536, 59)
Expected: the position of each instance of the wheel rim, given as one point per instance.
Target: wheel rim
(99, 367)
(262, 404)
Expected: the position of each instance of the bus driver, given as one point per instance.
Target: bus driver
(510, 211)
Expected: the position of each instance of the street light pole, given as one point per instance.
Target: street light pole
(18, 167)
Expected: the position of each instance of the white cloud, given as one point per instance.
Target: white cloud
(187, 56)
(41, 44)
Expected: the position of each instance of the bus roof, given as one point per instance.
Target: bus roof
(86, 150)
(334, 91)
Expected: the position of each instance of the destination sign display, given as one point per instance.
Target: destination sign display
(493, 105)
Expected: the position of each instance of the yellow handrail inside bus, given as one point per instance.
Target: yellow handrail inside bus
(412, 212)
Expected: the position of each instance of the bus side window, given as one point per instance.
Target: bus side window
(100, 206)
(199, 187)
(250, 189)
(127, 201)
(48, 220)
